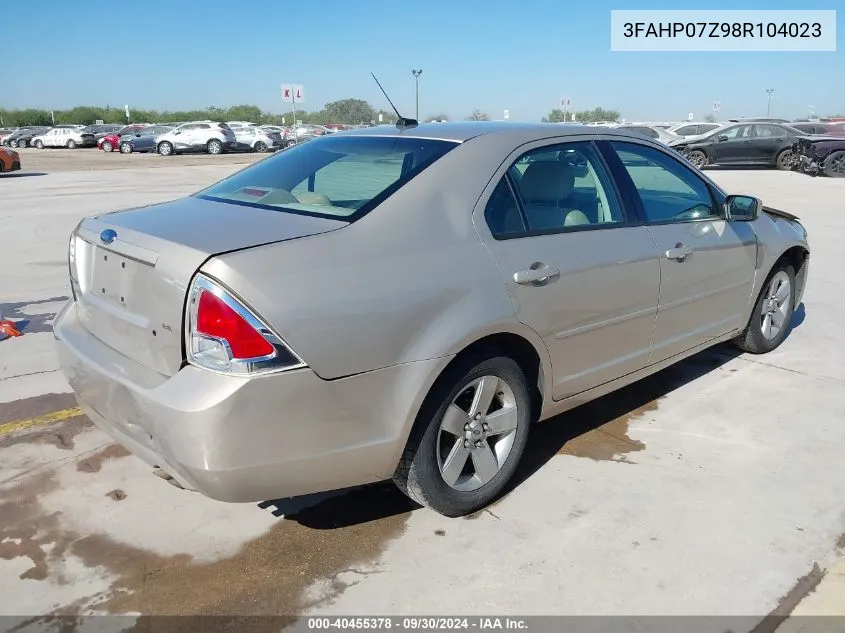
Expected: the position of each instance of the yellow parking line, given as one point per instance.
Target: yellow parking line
(47, 418)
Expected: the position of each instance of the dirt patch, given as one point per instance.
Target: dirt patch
(94, 463)
(610, 441)
(840, 543)
(804, 586)
(116, 495)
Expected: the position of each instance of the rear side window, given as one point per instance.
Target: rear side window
(341, 178)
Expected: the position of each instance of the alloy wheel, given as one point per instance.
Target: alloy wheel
(477, 433)
(775, 306)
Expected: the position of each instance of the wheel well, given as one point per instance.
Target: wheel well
(517, 348)
(797, 257)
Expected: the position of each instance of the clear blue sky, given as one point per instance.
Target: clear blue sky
(522, 55)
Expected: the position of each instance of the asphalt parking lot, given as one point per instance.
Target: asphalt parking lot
(713, 487)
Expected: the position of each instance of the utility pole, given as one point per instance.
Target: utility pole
(416, 73)
(770, 92)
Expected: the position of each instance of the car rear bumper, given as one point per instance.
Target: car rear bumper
(241, 440)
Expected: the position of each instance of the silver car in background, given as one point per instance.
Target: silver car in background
(257, 139)
(406, 302)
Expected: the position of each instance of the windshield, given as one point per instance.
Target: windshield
(332, 177)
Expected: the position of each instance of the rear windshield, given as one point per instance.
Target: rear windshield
(335, 177)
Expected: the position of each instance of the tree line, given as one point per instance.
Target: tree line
(350, 111)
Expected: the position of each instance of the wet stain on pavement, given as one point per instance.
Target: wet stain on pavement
(30, 320)
(269, 575)
(59, 434)
(610, 441)
(27, 531)
(94, 463)
(840, 543)
(36, 406)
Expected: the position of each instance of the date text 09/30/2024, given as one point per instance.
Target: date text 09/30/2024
(417, 623)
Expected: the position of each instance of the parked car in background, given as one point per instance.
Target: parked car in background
(111, 142)
(234, 124)
(257, 139)
(817, 127)
(304, 132)
(236, 361)
(91, 134)
(70, 137)
(213, 137)
(742, 144)
(10, 160)
(821, 154)
(142, 140)
(24, 136)
(337, 127)
(4, 134)
(692, 129)
(656, 133)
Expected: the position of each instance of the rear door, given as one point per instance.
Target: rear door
(707, 264)
(768, 141)
(578, 270)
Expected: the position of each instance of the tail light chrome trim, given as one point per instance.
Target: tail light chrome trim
(283, 358)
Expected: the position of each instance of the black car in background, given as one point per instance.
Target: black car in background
(743, 144)
(23, 136)
(819, 127)
(93, 133)
(143, 140)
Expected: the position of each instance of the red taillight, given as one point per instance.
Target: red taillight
(218, 320)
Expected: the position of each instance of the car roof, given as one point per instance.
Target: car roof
(465, 130)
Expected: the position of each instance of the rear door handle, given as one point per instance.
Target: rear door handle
(537, 275)
(679, 253)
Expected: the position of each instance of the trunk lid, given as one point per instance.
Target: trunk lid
(132, 268)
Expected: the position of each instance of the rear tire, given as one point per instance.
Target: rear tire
(786, 160)
(772, 312)
(260, 147)
(460, 454)
(107, 146)
(71, 144)
(834, 166)
(214, 147)
(165, 148)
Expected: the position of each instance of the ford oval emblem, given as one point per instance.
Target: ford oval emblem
(108, 236)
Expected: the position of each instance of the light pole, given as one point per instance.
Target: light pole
(770, 92)
(416, 73)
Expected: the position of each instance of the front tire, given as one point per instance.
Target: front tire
(107, 146)
(260, 147)
(165, 148)
(13, 143)
(698, 158)
(23, 143)
(214, 147)
(772, 312)
(786, 160)
(39, 145)
(834, 166)
(125, 148)
(469, 436)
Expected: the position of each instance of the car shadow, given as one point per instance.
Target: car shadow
(21, 174)
(572, 433)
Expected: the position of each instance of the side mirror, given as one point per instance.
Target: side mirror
(721, 138)
(177, 131)
(742, 208)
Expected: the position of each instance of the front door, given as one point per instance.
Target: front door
(707, 263)
(578, 271)
(733, 145)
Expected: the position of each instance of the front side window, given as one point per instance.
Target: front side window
(668, 190)
(736, 132)
(557, 188)
(331, 177)
(687, 130)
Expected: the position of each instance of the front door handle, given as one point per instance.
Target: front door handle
(537, 275)
(679, 253)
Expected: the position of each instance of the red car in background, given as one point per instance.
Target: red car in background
(111, 142)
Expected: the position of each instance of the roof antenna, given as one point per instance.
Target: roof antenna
(402, 123)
